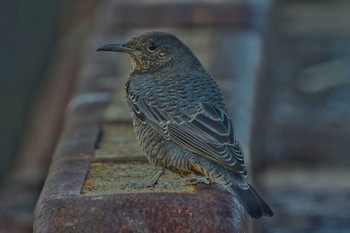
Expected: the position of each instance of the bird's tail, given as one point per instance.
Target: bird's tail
(252, 202)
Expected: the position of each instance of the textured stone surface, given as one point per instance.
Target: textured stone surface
(117, 141)
(131, 177)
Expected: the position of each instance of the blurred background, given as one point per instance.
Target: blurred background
(28, 32)
(283, 67)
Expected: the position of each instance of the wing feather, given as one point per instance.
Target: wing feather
(208, 132)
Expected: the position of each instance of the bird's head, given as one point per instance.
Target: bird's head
(153, 51)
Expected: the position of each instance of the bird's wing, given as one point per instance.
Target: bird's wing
(208, 132)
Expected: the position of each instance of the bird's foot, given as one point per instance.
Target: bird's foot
(166, 185)
(150, 185)
(198, 180)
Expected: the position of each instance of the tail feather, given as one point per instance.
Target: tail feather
(252, 202)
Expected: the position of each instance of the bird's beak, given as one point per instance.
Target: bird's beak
(116, 48)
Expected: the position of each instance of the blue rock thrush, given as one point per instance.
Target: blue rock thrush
(180, 119)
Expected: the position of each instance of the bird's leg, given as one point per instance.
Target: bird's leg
(155, 179)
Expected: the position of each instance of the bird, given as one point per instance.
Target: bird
(180, 118)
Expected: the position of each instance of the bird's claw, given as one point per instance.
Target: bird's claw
(195, 181)
(151, 185)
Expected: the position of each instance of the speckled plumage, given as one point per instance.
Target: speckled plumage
(180, 118)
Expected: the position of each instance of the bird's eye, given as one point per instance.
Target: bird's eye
(152, 47)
